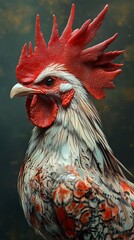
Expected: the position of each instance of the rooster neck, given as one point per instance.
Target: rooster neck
(75, 139)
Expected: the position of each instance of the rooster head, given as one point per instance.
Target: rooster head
(48, 75)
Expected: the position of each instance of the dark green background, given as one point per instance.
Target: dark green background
(17, 21)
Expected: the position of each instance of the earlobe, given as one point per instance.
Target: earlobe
(65, 87)
(67, 97)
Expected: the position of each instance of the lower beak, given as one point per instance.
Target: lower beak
(20, 90)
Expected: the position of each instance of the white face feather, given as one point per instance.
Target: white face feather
(50, 70)
(55, 70)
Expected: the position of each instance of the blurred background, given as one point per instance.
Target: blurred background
(17, 22)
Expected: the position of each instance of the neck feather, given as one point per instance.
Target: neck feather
(75, 138)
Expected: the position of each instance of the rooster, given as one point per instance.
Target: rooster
(70, 184)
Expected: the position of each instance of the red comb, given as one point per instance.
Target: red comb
(92, 66)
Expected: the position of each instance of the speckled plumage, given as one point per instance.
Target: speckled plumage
(71, 185)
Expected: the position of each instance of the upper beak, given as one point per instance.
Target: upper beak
(20, 90)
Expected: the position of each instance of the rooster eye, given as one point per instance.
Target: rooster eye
(49, 82)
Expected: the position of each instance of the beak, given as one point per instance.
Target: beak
(20, 90)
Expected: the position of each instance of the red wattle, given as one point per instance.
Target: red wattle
(41, 111)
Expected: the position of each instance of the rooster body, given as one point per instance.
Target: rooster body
(70, 184)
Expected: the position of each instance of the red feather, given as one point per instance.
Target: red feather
(92, 66)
